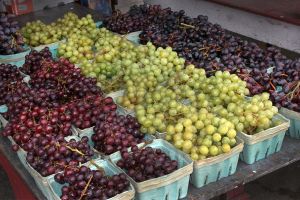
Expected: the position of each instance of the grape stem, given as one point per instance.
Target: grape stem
(97, 166)
(86, 187)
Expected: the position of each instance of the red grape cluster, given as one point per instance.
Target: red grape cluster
(116, 132)
(20, 97)
(85, 112)
(84, 183)
(65, 78)
(48, 155)
(39, 122)
(9, 73)
(11, 41)
(146, 163)
(35, 59)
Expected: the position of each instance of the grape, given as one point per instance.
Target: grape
(114, 133)
(93, 184)
(49, 155)
(146, 163)
(11, 41)
(37, 33)
(35, 59)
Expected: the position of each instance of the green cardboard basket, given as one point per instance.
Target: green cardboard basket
(110, 170)
(294, 117)
(17, 59)
(262, 144)
(41, 181)
(213, 169)
(52, 47)
(120, 110)
(134, 37)
(171, 186)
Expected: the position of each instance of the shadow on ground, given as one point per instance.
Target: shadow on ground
(6, 192)
(283, 184)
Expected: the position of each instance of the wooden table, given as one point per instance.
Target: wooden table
(245, 173)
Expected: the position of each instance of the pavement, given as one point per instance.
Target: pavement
(283, 184)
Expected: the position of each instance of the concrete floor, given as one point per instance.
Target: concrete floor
(283, 184)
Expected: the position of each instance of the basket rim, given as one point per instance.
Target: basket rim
(122, 196)
(166, 179)
(289, 113)
(266, 134)
(219, 158)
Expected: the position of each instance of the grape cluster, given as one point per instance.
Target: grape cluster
(209, 46)
(116, 132)
(138, 18)
(85, 112)
(20, 97)
(65, 78)
(34, 60)
(11, 41)
(37, 33)
(50, 155)
(39, 122)
(152, 69)
(84, 183)
(146, 163)
(9, 73)
(10, 77)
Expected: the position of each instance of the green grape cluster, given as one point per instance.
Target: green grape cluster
(250, 116)
(201, 115)
(113, 54)
(78, 48)
(37, 33)
(153, 68)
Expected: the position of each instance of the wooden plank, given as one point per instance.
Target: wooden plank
(246, 173)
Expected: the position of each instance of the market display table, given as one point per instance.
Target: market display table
(23, 183)
(244, 174)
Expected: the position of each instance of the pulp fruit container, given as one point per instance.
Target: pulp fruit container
(147, 138)
(213, 169)
(120, 110)
(52, 47)
(110, 170)
(80, 132)
(260, 145)
(171, 186)
(17, 59)
(40, 180)
(134, 37)
(294, 117)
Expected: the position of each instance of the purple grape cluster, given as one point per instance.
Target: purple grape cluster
(146, 163)
(35, 59)
(116, 132)
(84, 183)
(11, 41)
(49, 155)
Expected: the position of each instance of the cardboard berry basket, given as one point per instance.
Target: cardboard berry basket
(260, 145)
(17, 59)
(294, 117)
(147, 138)
(110, 170)
(171, 186)
(120, 110)
(40, 180)
(134, 37)
(213, 169)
